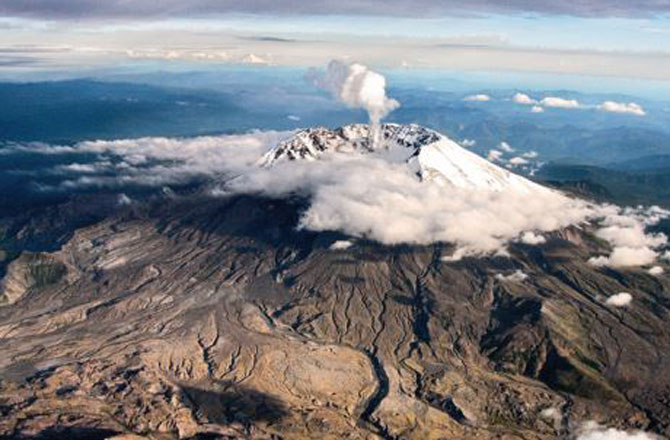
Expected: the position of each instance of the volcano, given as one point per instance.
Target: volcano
(190, 316)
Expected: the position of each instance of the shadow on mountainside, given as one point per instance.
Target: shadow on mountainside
(66, 432)
(236, 404)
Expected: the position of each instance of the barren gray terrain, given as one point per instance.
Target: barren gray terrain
(215, 318)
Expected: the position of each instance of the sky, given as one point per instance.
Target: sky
(615, 38)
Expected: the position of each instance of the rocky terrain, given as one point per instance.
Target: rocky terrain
(189, 316)
(215, 318)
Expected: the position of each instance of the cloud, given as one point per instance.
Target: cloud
(515, 277)
(94, 167)
(269, 39)
(18, 61)
(622, 107)
(479, 98)
(554, 101)
(81, 9)
(619, 300)
(530, 154)
(625, 230)
(124, 200)
(593, 431)
(358, 87)
(341, 245)
(532, 238)
(467, 143)
(631, 235)
(376, 195)
(517, 161)
(494, 155)
(522, 98)
(157, 161)
(626, 256)
(252, 58)
(537, 109)
(366, 195)
(178, 54)
(504, 146)
(656, 270)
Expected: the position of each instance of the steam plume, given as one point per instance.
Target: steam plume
(358, 87)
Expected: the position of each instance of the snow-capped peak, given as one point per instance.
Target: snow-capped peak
(434, 156)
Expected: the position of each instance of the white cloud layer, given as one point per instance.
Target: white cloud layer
(367, 194)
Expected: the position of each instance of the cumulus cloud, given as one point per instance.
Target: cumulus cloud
(622, 107)
(656, 270)
(530, 154)
(254, 59)
(480, 97)
(629, 234)
(358, 87)
(530, 237)
(518, 161)
(467, 143)
(504, 146)
(619, 300)
(625, 256)
(341, 245)
(516, 277)
(625, 230)
(593, 431)
(554, 101)
(537, 109)
(494, 155)
(522, 98)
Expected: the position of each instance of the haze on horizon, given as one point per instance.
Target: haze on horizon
(594, 38)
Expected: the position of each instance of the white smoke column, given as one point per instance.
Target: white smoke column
(358, 87)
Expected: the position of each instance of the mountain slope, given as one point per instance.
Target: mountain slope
(433, 155)
(215, 318)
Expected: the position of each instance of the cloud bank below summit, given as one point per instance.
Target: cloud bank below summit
(363, 195)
